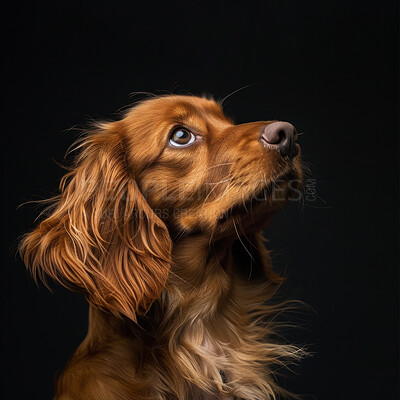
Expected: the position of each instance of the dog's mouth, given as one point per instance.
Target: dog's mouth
(270, 193)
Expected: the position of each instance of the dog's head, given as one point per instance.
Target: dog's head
(173, 165)
(201, 172)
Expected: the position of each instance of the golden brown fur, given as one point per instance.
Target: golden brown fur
(178, 296)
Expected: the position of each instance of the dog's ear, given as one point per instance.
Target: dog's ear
(101, 236)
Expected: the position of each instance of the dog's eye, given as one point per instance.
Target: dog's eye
(181, 138)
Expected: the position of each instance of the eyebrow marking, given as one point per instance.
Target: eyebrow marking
(201, 119)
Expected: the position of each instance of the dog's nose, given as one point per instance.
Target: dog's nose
(282, 136)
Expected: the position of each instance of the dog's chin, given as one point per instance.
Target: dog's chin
(255, 213)
(251, 215)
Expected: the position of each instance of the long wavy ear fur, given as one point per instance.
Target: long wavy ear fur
(102, 237)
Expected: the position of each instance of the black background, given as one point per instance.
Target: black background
(329, 67)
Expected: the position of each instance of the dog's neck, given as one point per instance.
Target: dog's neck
(201, 274)
(195, 258)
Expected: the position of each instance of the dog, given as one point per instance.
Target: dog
(159, 223)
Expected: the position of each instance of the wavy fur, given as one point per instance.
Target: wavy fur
(180, 299)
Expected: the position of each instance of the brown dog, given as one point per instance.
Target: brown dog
(159, 224)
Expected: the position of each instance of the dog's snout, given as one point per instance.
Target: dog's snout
(282, 136)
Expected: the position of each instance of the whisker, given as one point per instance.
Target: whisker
(221, 181)
(237, 234)
(219, 165)
(216, 185)
(226, 192)
(207, 169)
(236, 91)
(180, 234)
(182, 279)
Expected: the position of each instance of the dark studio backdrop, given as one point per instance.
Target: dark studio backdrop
(329, 67)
